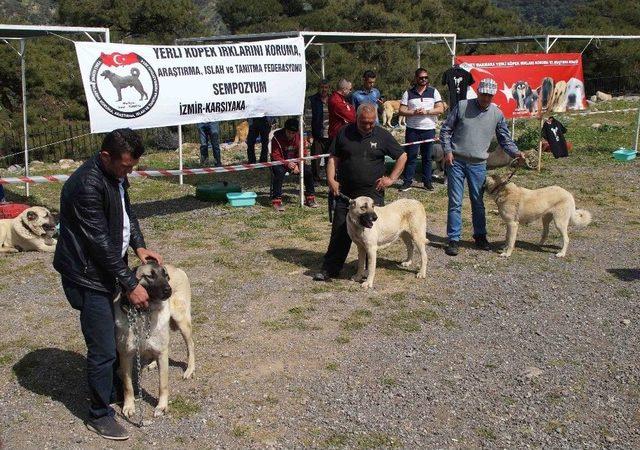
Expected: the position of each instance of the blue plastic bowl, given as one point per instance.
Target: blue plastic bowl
(238, 199)
(624, 154)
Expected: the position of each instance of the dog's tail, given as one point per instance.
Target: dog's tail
(135, 72)
(581, 218)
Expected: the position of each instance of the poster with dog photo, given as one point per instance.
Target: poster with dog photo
(146, 86)
(532, 83)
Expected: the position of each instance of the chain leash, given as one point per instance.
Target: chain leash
(139, 325)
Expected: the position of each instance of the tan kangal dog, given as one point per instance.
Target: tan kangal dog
(169, 308)
(389, 108)
(371, 227)
(518, 205)
(32, 230)
(242, 132)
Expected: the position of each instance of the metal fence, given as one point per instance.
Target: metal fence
(75, 141)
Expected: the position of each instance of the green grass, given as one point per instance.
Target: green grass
(357, 320)
(486, 433)
(241, 431)
(411, 321)
(332, 367)
(181, 407)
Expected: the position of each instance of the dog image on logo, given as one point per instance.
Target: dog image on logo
(546, 91)
(389, 108)
(121, 82)
(169, 308)
(526, 98)
(518, 205)
(32, 230)
(371, 228)
(557, 98)
(242, 132)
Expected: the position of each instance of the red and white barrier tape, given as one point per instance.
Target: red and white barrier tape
(163, 172)
(420, 142)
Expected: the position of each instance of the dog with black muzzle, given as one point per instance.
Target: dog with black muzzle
(169, 308)
(32, 230)
(371, 227)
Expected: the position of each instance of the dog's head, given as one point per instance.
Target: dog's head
(39, 221)
(559, 91)
(547, 90)
(575, 93)
(155, 279)
(106, 73)
(361, 211)
(520, 91)
(493, 182)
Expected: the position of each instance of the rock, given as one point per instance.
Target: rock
(66, 163)
(625, 322)
(36, 163)
(14, 168)
(610, 438)
(596, 125)
(603, 96)
(532, 372)
(594, 98)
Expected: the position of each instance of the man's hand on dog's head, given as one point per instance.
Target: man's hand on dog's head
(145, 255)
(139, 297)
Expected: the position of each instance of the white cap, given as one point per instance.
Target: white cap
(488, 86)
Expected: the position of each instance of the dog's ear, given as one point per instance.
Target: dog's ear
(352, 203)
(528, 90)
(31, 216)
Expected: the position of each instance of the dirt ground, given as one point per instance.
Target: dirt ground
(530, 351)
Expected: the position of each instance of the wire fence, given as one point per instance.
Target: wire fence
(75, 141)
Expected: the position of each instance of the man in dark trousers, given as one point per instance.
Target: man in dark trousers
(97, 226)
(357, 155)
(319, 105)
(258, 126)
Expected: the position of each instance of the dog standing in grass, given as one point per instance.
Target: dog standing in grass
(519, 205)
(169, 308)
(371, 227)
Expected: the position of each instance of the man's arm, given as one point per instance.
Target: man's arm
(334, 186)
(504, 139)
(92, 224)
(446, 132)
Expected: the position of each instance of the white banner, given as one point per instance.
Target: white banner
(146, 86)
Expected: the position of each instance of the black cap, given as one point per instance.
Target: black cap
(292, 124)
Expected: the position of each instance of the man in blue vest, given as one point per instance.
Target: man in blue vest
(466, 149)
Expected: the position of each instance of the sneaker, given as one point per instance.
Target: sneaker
(311, 202)
(452, 249)
(428, 186)
(277, 204)
(324, 276)
(482, 243)
(405, 187)
(108, 428)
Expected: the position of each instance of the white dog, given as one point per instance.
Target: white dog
(32, 230)
(371, 227)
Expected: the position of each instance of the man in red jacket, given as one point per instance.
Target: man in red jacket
(285, 144)
(341, 111)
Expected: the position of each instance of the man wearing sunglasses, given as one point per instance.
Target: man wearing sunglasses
(421, 105)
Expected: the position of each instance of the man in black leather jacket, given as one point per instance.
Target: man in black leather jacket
(97, 226)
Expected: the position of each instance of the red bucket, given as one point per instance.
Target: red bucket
(11, 210)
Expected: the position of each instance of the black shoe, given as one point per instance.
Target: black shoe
(482, 243)
(108, 428)
(405, 187)
(428, 186)
(452, 248)
(324, 276)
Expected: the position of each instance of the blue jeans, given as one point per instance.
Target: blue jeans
(99, 330)
(475, 175)
(413, 135)
(209, 133)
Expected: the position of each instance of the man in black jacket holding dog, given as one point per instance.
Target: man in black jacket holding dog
(97, 226)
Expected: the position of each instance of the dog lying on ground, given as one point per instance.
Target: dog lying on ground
(518, 205)
(242, 132)
(169, 307)
(389, 108)
(120, 82)
(372, 227)
(32, 230)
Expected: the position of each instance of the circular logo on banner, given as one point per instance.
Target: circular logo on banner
(124, 84)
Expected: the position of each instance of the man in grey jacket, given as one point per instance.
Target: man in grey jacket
(465, 137)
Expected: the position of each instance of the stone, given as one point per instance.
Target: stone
(625, 322)
(532, 372)
(603, 96)
(596, 125)
(14, 168)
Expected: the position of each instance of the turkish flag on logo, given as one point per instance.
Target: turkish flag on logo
(118, 59)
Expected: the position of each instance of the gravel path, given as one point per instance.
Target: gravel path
(532, 351)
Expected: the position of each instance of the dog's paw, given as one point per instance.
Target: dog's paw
(152, 365)
(129, 409)
(159, 411)
(406, 263)
(560, 254)
(505, 254)
(421, 275)
(187, 373)
(367, 285)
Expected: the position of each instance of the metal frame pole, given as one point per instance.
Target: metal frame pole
(180, 152)
(301, 162)
(23, 44)
(637, 130)
(418, 52)
(322, 61)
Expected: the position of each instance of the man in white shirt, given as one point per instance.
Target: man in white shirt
(421, 105)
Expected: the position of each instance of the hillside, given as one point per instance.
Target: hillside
(549, 13)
